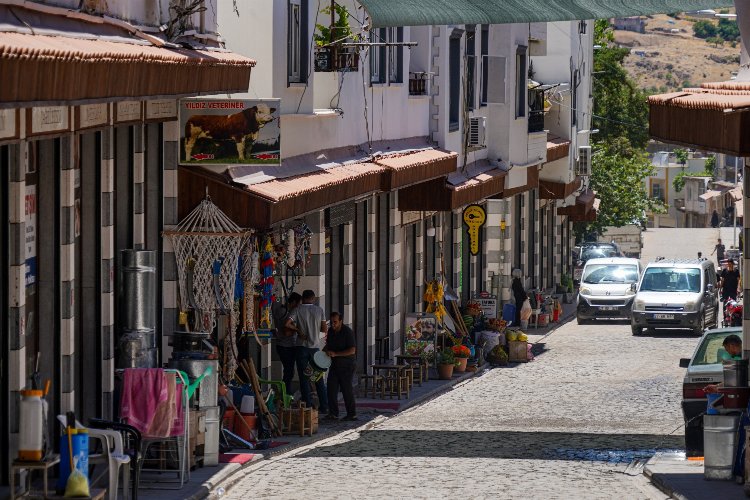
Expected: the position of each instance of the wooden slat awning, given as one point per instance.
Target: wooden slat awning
(40, 69)
(262, 205)
(439, 195)
(414, 167)
(532, 181)
(589, 216)
(549, 190)
(714, 117)
(557, 148)
(584, 203)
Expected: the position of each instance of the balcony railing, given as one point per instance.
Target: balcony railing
(536, 110)
(418, 83)
(536, 121)
(329, 59)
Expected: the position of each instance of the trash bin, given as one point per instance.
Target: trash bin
(719, 444)
(509, 313)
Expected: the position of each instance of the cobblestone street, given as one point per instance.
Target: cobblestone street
(566, 425)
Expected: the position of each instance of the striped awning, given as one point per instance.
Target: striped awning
(438, 12)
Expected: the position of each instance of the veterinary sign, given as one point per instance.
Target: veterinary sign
(230, 131)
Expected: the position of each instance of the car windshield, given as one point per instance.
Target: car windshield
(598, 253)
(610, 273)
(711, 348)
(671, 279)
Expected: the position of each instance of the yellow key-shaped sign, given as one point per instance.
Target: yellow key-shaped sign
(474, 218)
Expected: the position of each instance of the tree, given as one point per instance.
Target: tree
(728, 30)
(704, 29)
(681, 155)
(617, 176)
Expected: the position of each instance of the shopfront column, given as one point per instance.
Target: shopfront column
(418, 266)
(394, 274)
(348, 257)
(170, 220)
(372, 298)
(493, 244)
(107, 249)
(68, 279)
(139, 173)
(457, 223)
(19, 206)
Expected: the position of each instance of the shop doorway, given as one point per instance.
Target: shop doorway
(408, 271)
(4, 308)
(360, 287)
(334, 292)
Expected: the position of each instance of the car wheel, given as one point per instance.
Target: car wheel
(637, 330)
(581, 321)
(701, 326)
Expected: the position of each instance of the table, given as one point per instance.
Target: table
(416, 360)
(398, 374)
(19, 465)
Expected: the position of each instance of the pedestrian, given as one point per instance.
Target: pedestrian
(519, 294)
(286, 338)
(309, 322)
(742, 242)
(715, 219)
(341, 347)
(730, 282)
(719, 250)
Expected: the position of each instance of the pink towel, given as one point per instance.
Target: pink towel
(178, 426)
(143, 390)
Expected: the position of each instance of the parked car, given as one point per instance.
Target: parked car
(593, 250)
(676, 294)
(703, 368)
(606, 289)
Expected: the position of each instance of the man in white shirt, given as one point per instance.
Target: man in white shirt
(309, 321)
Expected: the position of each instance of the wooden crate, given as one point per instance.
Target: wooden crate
(517, 351)
(290, 421)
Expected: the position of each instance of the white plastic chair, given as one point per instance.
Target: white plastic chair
(112, 456)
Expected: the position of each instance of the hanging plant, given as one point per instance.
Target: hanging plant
(340, 29)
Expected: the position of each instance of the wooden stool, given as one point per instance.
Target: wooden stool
(398, 385)
(43, 465)
(371, 383)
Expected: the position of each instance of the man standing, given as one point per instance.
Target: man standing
(730, 282)
(719, 250)
(309, 321)
(286, 341)
(341, 347)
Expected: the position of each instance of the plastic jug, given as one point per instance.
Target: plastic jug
(31, 426)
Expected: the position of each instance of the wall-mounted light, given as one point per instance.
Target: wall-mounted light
(430, 232)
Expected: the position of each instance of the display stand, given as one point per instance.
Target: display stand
(42, 465)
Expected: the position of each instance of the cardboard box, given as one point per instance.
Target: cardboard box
(517, 351)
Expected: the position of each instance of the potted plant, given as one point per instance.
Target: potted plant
(446, 362)
(332, 56)
(567, 283)
(461, 353)
(497, 356)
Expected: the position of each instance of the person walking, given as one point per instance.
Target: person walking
(719, 251)
(286, 338)
(519, 294)
(730, 282)
(715, 219)
(341, 347)
(309, 322)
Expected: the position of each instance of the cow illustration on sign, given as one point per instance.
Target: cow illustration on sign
(240, 122)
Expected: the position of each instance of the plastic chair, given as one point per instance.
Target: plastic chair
(280, 386)
(112, 456)
(132, 437)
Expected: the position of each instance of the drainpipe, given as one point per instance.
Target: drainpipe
(743, 23)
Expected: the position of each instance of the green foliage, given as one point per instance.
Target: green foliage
(617, 176)
(619, 102)
(341, 28)
(728, 30)
(710, 164)
(679, 180)
(446, 357)
(704, 29)
(717, 41)
(681, 155)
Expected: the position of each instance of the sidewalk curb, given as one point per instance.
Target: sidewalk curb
(229, 476)
(661, 484)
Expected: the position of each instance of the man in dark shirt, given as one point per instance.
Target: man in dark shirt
(730, 281)
(286, 338)
(719, 250)
(340, 346)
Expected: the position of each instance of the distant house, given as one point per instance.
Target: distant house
(660, 186)
(637, 24)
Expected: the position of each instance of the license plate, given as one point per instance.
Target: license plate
(607, 308)
(663, 316)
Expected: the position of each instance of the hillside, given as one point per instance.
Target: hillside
(662, 60)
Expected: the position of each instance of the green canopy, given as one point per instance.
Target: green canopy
(436, 12)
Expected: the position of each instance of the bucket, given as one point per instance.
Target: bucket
(543, 319)
(719, 443)
(228, 420)
(80, 441)
(712, 398)
(248, 405)
(509, 313)
(556, 315)
(240, 428)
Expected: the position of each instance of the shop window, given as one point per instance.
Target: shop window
(297, 42)
(521, 76)
(395, 56)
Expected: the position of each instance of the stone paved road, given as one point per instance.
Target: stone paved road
(563, 426)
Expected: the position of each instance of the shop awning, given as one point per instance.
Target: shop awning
(265, 204)
(414, 167)
(736, 193)
(438, 12)
(584, 203)
(711, 117)
(739, 209)
(40, 69)
(557, 148)
(557, 190)
(710, 194)
(481, 182)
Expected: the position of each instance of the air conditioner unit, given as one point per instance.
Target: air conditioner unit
(477, 131)
(583, 166)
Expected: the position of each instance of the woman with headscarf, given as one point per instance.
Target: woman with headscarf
(519, 294)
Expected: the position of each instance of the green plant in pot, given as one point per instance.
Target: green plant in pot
(497, 356)
(341, 30)
(446, 362)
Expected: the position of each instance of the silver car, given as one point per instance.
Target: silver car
(606, 289)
